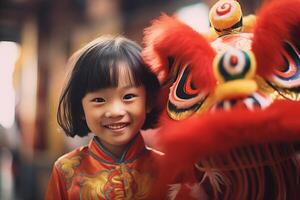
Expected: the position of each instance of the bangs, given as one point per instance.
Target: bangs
(107, 69)
(118, 73)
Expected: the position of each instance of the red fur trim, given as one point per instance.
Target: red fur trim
(184, 142)
(168, 37)
(275, 24)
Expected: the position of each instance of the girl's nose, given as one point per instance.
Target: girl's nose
(115, 110)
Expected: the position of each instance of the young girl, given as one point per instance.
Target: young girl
(111, 94)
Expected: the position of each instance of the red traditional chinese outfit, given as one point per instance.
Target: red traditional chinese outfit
(91, 172)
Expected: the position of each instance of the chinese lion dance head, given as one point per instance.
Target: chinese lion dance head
(232, 99)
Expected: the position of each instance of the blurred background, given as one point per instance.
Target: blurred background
(36, 39)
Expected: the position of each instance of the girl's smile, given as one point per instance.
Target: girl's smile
(116, 126)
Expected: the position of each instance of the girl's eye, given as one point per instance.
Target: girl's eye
(98, 100)
(129, 96)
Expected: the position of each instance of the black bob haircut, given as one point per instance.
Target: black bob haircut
(96, 66)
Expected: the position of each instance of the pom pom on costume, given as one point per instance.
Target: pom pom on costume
(232, 122)
(226, 17)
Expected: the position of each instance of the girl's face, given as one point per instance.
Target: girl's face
(115, 114)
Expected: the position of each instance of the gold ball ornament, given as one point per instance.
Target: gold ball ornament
(226, 17)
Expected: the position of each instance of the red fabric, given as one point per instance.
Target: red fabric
(275, 23)
(185, 142)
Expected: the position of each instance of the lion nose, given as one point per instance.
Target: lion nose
(234, 71)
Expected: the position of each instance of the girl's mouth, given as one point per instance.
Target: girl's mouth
(116, 126)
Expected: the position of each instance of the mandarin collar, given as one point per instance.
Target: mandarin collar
(134, 149)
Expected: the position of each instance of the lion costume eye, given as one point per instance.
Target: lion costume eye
(288, 76)
(184, 98)
(233, 64)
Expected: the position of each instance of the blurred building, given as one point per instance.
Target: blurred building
(36, 39)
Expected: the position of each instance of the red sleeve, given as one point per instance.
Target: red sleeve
(56, 186)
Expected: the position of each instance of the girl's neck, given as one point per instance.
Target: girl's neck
(117, 150)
